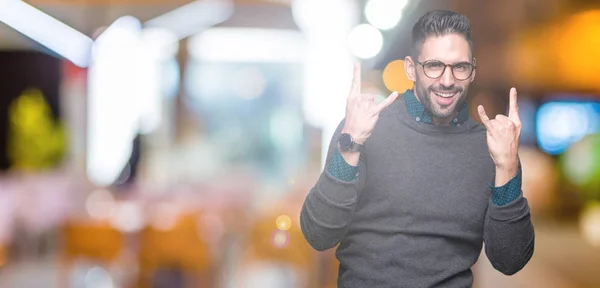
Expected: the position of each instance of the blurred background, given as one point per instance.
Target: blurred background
(155, 143)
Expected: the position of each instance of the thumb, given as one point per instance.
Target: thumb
(485, 120)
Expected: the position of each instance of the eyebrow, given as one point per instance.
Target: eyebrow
(454, 63)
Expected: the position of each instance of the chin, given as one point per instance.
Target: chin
(442, 115)
(445, 112)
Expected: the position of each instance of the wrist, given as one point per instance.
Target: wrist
(505, 172)
(355, 136)
(352, 158)
(509, 165)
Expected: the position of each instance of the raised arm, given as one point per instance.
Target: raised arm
(327, 210)
(508, 235)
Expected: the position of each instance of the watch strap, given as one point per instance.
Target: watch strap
(356, 147)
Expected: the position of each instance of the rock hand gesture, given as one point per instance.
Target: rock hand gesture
(362, 112)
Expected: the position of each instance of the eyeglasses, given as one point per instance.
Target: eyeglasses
(434, 69)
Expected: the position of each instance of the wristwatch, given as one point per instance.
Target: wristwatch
(346, 143)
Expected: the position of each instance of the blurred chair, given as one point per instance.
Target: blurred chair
(3, 255)
(94, 241)
(179, 246)
(281, 258)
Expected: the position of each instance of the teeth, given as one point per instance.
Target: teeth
(445, 95)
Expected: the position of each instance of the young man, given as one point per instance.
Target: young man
(413, 188)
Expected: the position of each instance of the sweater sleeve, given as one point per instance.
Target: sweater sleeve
(508, 232)
(328, 208)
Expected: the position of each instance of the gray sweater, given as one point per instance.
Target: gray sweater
(419, 211)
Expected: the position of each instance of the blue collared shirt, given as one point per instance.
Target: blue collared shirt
(502, 195)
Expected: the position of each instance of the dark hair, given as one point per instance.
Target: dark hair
(439, 23)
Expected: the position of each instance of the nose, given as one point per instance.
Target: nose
(447, 78)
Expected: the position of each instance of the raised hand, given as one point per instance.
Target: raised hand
(362, 112)
(503, 134)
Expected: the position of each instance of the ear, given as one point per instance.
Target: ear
(410, 68)
(474, 70)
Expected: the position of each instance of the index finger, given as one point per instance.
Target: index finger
(513, 111)
(356, 79)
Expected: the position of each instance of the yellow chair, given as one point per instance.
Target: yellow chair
(95, 241)
(268, 244)
(180, 247)
(3, 255)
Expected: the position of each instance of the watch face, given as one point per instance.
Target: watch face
(345, 142)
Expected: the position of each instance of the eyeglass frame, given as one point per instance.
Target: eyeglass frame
(474, 64)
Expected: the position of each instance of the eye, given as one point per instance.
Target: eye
(434, 65)
(462, 66)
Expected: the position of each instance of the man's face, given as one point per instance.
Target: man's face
(441, 96)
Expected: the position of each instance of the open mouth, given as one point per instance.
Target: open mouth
(445, 98)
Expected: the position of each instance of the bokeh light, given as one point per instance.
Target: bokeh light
(394, 77)
(560, 124)
(574, 57)
(581, 165)
(384, 14)
(539, 178)
(128, 217)
(590, 223)
(164, 216)
(365, 41)
(280, 239)
(100, 204)
(283, 222)
(577, 50)
(97, 277)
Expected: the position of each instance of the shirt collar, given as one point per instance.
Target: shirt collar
(418, 112)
